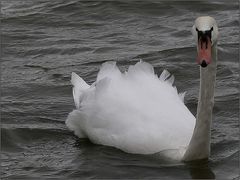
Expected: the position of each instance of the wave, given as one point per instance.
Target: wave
(23, 11)
(12, 139)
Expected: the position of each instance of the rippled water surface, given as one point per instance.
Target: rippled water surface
(43, 41)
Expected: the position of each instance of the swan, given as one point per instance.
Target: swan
(139, 112)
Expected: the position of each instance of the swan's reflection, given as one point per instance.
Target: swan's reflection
(200, 169)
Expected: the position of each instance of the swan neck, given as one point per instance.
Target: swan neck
(206, 92)
(199, 146)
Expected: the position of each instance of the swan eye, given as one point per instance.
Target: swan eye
(212, 29)
(197, 29)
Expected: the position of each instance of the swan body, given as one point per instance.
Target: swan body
(137, 111)
(134, 111)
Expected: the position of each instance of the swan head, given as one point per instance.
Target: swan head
(205, 33)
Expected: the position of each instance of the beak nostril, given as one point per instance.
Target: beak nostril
(204, 64)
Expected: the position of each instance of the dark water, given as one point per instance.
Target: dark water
(43, 41)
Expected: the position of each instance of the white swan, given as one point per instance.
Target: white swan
(140, 113)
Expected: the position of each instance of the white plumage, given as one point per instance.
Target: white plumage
(140, 113)
(134, 111)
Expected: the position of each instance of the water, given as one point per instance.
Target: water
(44, 41)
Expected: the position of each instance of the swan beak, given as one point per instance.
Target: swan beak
(204, 51)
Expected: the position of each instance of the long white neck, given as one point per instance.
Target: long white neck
(199, 146)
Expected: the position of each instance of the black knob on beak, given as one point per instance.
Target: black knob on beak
(204, 64)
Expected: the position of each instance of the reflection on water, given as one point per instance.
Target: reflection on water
(200, 170)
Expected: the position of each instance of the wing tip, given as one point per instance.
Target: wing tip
(182, 96)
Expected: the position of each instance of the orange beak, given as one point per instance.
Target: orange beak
(204, 51)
